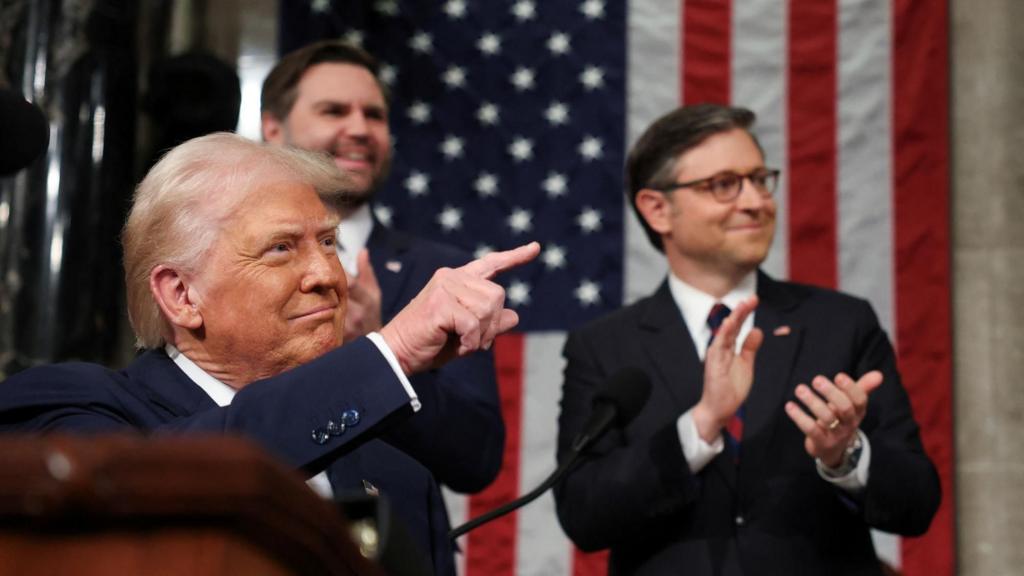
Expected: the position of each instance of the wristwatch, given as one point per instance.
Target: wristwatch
(851, 456)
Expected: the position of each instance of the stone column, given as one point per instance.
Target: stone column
(988, 267)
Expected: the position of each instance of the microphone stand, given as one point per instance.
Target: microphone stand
(518, 502)
(621, 400)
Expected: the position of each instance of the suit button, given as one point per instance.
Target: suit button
(350, 417)
(739, 520)
(335, 428)
(320, 436)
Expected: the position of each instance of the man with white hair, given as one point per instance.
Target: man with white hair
(235, 290)
(328, 97)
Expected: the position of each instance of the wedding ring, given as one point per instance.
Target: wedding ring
(834, 424)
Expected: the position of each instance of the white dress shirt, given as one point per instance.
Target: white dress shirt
(353, 234)
(695, 306)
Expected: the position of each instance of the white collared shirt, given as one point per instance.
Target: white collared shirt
(222, 394)
(696, 306)
(353, 234)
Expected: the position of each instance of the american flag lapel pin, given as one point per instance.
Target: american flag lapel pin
(393, 266)
(782, 331)
(370, 488)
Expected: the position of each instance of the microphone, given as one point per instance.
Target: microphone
(26, 132)
(616, 403)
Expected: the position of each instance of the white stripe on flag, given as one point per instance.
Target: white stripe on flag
(541, 546)
(759, 83)
(654, 71)
(865, 185)
(865, 201)
(458, 509)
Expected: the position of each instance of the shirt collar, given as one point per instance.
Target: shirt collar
(353, 234)
(696, 305)
(219, 392)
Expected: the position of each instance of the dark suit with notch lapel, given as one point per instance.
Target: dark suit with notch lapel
(464, 450)
(769, 512)
(282, 413)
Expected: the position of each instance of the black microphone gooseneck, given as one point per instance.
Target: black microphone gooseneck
(617, 403)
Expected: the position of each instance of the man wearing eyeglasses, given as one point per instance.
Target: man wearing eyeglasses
(777, 432)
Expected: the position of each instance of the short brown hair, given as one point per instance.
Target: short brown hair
(280, 88)
(651, 162)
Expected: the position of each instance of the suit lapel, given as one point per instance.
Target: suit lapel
(763, 410)
(391, 264)
(671, 351)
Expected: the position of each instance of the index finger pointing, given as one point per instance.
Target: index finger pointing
(491, 264)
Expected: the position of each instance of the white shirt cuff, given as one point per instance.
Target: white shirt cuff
(696, 451)
(378, 340)
(857, 479)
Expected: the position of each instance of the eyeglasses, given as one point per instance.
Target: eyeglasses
(726, 186)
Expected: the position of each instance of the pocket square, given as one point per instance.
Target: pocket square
(782, 331)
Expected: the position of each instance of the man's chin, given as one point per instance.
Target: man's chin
(316, 348)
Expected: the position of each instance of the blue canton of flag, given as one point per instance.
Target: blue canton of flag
(508, 125)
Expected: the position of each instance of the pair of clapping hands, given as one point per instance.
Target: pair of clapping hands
(829, 415)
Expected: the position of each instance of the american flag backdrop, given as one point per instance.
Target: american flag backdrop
(511, 120)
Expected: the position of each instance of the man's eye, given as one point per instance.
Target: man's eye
(330, 241)
(334, 111)
(759, 179)
(722, 183)
(279, 247)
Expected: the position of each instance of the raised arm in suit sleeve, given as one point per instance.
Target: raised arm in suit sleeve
(281, 413)
(903, 490)
(631, 476)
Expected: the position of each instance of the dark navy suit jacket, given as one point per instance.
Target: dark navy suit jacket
(769, 512)
(465, 446)
(284, 414)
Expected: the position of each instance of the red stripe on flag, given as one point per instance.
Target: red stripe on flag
(491, 548)
(812, 95)
(706, 51)
(589, 564)
(921, 208)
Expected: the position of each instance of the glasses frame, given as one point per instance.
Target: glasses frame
(701, 184)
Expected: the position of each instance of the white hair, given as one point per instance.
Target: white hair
(180, 206)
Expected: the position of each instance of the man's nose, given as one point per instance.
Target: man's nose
(356, 124)
(750, 197)
(323, 271)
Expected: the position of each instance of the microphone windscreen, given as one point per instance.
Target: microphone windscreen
(627, 390)
(24, 132)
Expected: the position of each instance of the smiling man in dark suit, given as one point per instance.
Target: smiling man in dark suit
(236, 293)
(327, 97)
(776, 435)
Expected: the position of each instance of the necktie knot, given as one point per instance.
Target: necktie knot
(719, 312)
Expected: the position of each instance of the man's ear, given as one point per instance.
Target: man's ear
(656, 209)
(272, 128)
(176, 299)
